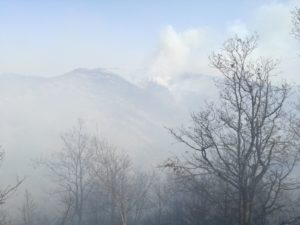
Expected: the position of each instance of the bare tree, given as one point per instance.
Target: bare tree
(127, 188)
(296, 23)
(245, 141)
(28, 209)
(69, 170)
(67, 202)
(7, 191)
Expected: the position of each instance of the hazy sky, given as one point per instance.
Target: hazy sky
(164, 37)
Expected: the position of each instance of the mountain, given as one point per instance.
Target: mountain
(35, 111)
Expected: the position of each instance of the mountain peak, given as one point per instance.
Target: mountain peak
(91, 74)
(94, 71)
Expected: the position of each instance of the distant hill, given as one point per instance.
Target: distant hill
(34, 111)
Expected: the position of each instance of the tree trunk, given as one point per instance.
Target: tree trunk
(244, 209)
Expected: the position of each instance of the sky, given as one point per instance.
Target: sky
(137, 38)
